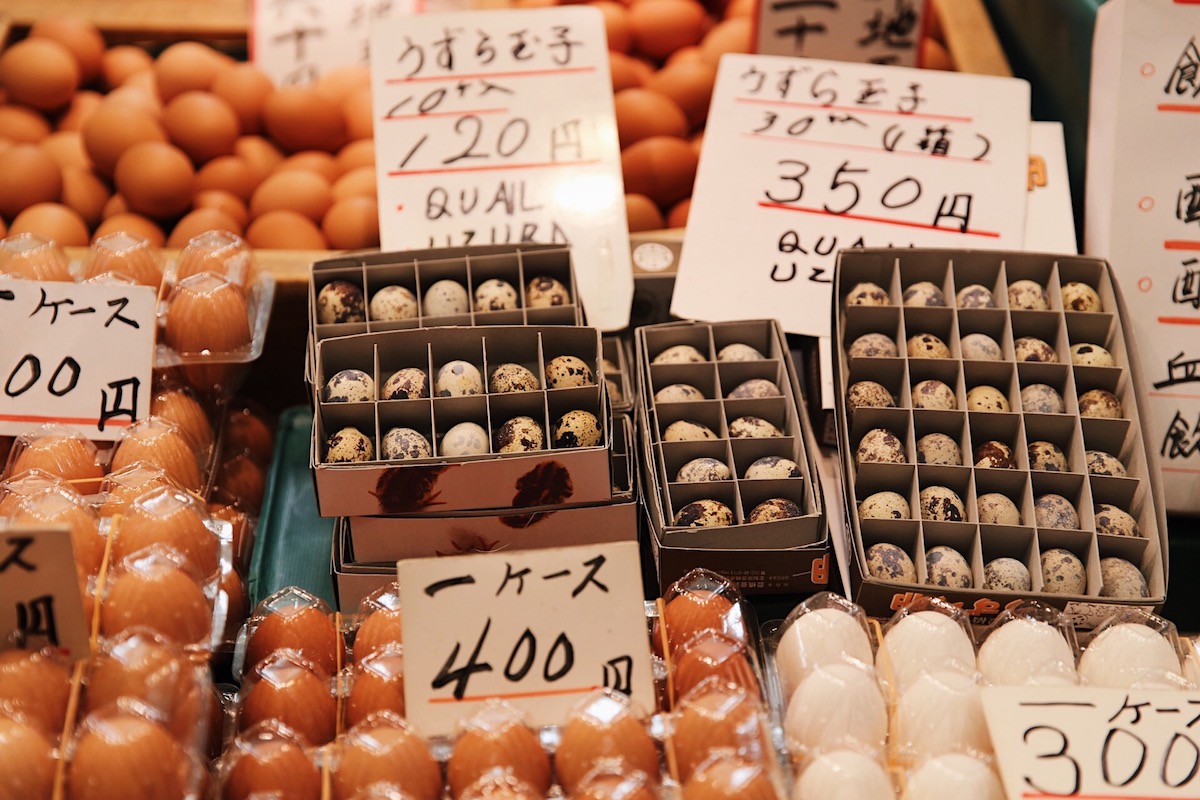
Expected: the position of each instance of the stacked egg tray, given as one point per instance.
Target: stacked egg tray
(728, 476)
(618, 376)
(993, 453)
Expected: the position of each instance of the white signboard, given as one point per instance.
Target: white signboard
(495, 127)
(875, 31)
(537, 628)
(803, 158)
(75, 354)
(40, 603)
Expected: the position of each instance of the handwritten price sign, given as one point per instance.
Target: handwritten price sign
(40, 602)
(538, 628)
(874, 31)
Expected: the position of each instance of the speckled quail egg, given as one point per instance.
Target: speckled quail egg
(880, 446)
(933, 394)
(980, 347)
(685, 430)
(867, 294)
(1114, 521)
(577, 428)
(703, 469)
(704, 513)
(938, 448)
(1121, 579)
(348, 445)
(739, 352)
(1040, 398)
(993, 508)
(1047, 456)
(565, 372)
(751, 427)
(458, 378)
(544, 292)
(755, 387)
(889, 562)
(1033, 349)
(1062, 572)
(986, 398)
(520, 435)
(1099, 403)
(775, 508)
(1102, 463)
(945, 566)
(495, 294)
(680, 354)
(402, 444)
(408, 383)
(884, 505)
(464, 439)
(393, 303)
(338, 302)
(869, 394)
(1027, 295)
(975, 295)
(445, 297)
(923, 293)
(873, 345)
(772, 467)
(608, 366)
(1055, 511)
(1008, 574)
(994, 454)
(614, 390)
(510, 377)
(350, 386)
(678, 393)
(942, 504)
(1084, 354)
(926, 345)
(1078, 296)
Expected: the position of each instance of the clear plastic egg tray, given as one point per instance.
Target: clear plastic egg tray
(1123, 436)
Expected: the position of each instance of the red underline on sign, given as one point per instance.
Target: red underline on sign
(852, 109)
(885, 221)
(400, 173)
(1035, 796)
(1181, 244)
(530, 73)
(867, 147)
(475, 698)
(62, 420)
(1186, 108)
(1179, 320)
(1175, 395)
(1187, 470)
(426, 115)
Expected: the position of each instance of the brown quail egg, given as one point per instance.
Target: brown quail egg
(873, 345)
(1031, 348)
(869, 394)
(1078, 296)
(703, 469)
(945, 566)
(1055, 511)
(867, 294)
(350, 386)
(1027, 295)
(684, 430)
(1008, 574)
(1047, 456)
(512, 378)
(755, 387)
(942, 504)
(934, 394)
(565, 372)
(880, 446)
(775, 508)
(1102, 463)
(1063, 572)
(578, 428)
(495, 294)
(926, 345)
(739, 352)
(403, 444)
(1121, 579)
(544, 292)
(986, 398)
(772, 467)
(458, 378)
(1040, 398)
(393, 303)
(444, 298)
(1084, 354)
(1114, 521)
(608, 366)
(938, 448)
(678, 393)
(750, 427)
(347, 445)
(464, 439)
(980, 347)
(520, 435)
(994, 454)
(407, 383)
(889, 562)
(340, 301)
(884, 505)
(993, 508)
(679, 354)
(924, 293)
(1099, 403)
(975, 296)
(614, 390)
(704, 513)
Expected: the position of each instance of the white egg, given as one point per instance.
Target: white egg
(818, 637)
(844, 774)
(1131, 656)
(953, 776)
(1191, 666)
(942, 712)
(837, 706)
(1026, 652)
(924, 642)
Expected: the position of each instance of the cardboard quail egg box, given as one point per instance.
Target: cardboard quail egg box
(1014, 421)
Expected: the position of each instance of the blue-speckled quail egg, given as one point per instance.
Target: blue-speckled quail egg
(868, 394)
(751, 427)
(464, 439)
(1121, 579)
(578, 428)
(980, 347)
(926, 345)
(1099, 403)
(338, 302)
(1078, 296)
(408, 383)
(1055, 511)
(349, 445)
(880, 446)
(986, 398)
(684, 430)
(700, 470)
(565, 372)
(994, 454)
(884, 505)
(1084, 354)
(938, 448)
(993, 508)
(739, 352)
(1115, 521)
(1008, 574)
(873, 345)
(942, 504)
(945, 566)
(1040, 398)
(924, 293)
(772, 467)
(544, 292)
(404, 444)
(775, 508)
(975, 295)
(704, 513)
(1027, 295)
(512, 378)
(495, 294)
(1063, 572)
(393, 303)
(350, 386)
(678, 393)
(1102, 463)
(445, 297)
(867, 294)
(889, 562)
(520, 435)
(458, 378)
(1047, 456)
(755, 387)
(680, 354)
(1033, 349)
(933, 394)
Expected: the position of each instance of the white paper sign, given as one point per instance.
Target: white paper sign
(1049, 220)
(39, 592)
(802, 158)
(1143, 210)
(875, 31)
(1054, 741)
(537, 628)
(496, 127)
(75, 354)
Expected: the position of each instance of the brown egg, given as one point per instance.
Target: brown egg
(265, 762)
(745, 8)
(615, 785)
(230, 174)
(77, 35)
(128, 756)
(659, 27)
(696, 610)
(625, 71)
(245, 88)
(689, 84)
(221, 252)
(65, 506)
(605, 731)
(386, 750)
(199, 221)
(133, 224)
(116, 205)
(642, 213)
(308, 630)
(240, 523)
(40, 73)
(53, 221)
(733, 35)
(201, 124)
(26, 761)
(115, 127)
(285, 229)
(172, 518)
(247, 432)
(241, 482)
(122, 486)
(66, 148)
(684, 55)
(21, 124)
(31, 176)
(138, 93)
(711, 653)
(85, 194)
(287, 690)
(318, 161)
(236, 603)
(301, 118)
(378, 685)
(723, 717)
(301, 191)
(208, 312)
(188, 65)
(159, 442)
(661, 167)
(161, 596)
(227, 203)
(352, 224)
(642, 113)
(15, 489)
(496, 737)
(616, 24)
(180, 406)
(356, 154)
(357, 182)
(338, 82)
(63, 453)
(730, 778)
(677, 217)
(358, 114)
(378, 629)
(155, 179)
(37, 686)
(260, 154)
(121, 61)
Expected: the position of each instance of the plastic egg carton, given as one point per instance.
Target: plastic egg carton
(980, 402)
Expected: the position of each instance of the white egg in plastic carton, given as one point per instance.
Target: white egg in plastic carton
(823, 630)
(928, 636)
(952, 776)
(1032, 644)
(1134, 649)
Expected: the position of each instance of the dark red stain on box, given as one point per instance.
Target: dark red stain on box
(547, 484)
(407, 489)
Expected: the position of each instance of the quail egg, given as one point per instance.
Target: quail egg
(565, 372)
(1114, 521)
(408, 383)
(884, 505)
(495, 294)
(704, 514)
(1062, 572)
(680, 354)
(458, 378)
(683, 430)
(347, 445)
(520, 435)
(867, 294)
(1102, 463)
(1055, 511)
(678, 393)
(393, 303)
(873, 345)
(577, 428)
(993, 508)
(1008, 574)
(1078, 296)
(889, 562)
(934, 394)
(938, 448)
(1084, 354)
(350, 386)
(1121, 579)
(924, 293)
(750, 427)
(1099, 403)
(986, 398)
(1027, 295)
(880, 446)
(775, 508)
(1031, 348)
(445, 297)
(975, 296)
(772, 467)
(402, 444)
(544, 292)
(338, 302)
(945, 566)
(511, 377)
(926, 345)
(1047, 456)
(1040, 398)
(869, 394)
(607, 366)
(614, 390)
(739, 352)
(942, 504)
(464, 439)
(755, 387)
(703, 469)
(994, 454)
(980, 347)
